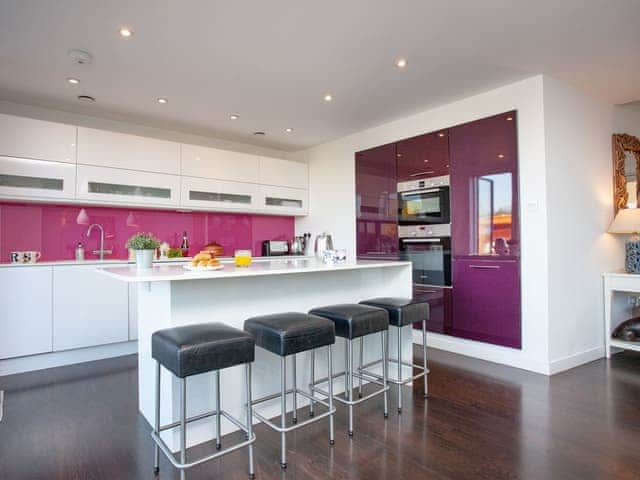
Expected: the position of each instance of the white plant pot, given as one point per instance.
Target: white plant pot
(144, 259)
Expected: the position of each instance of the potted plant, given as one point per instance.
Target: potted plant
(144, 245)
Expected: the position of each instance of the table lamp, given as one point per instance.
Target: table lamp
(628, 221)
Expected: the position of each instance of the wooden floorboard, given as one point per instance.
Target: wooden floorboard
(481, 421)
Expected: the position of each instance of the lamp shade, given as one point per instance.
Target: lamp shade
(627, 221)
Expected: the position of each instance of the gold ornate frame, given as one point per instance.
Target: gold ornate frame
(623, 143)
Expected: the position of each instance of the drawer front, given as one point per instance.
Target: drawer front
(25, 178)
(111, 185)
(219, 195)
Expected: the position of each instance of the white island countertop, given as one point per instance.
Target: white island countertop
(163, 273)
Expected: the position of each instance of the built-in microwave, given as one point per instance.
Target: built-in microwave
(428, 248)
(424, 202)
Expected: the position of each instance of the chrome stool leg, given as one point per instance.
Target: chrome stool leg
(384, 337)
(350, 383)
(294, 374)
(313, 381)
(361, 363)
(330, 386)
(283, 413)
(424, 356)
(183, 425)
(247, 369)
(399, 329)
(218, 408)
(156, 455)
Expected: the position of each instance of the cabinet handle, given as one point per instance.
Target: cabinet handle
(485, 267)
(376, 253)
(422, 173)
(420, 240)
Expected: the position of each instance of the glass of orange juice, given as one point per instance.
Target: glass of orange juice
(243, 258)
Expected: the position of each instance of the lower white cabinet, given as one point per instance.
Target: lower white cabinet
(133, 311)
(25, 296)
(26, 178)
(117, 186)
(89, 308)
(283, 200)
(219, 194)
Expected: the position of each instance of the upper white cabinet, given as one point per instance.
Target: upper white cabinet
(26, 178)
(29, 138)
(219, 195)
(212, 163)
(26, 301)
(89, 308)
(113, 185)
(119, 150)
(284, 173)
(283, 200)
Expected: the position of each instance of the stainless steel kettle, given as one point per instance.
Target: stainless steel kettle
(323, 243)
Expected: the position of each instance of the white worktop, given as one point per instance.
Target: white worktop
(160, 273)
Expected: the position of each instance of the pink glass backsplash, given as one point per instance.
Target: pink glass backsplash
(54, 230)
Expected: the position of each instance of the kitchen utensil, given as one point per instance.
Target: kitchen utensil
(308, 246)
(323, 243)
(297, 245)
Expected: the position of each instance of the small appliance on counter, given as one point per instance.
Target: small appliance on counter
(297, 245)
(274, 248)
(323, 243)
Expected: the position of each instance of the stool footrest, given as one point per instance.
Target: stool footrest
(279, 429)
(395, 381)
(183, 466)
(345, 401)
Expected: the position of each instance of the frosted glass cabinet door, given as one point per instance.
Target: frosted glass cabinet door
(283, 201)
(89, 308)
(21, 177)
(219, 195)
(25, 297)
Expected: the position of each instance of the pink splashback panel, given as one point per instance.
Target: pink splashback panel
(54, 231)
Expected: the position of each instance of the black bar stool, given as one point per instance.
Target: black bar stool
(403, 312)
(287, 334)
(355, 321)
(192, 350)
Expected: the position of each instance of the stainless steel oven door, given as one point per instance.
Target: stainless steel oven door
(430, 258)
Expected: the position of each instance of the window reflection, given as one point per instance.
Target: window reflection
(493, 219)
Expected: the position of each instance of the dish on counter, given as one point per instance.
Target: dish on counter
(204, 261)
(202, 269)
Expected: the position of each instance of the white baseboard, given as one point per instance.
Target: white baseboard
(575, 360)
(68, 357)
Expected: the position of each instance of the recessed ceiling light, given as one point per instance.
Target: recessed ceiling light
(288, 130)
(234, 117)
(86, 98)
(328, 97)
(126, 32)
(500, 155)
(162, 100)
(259, 133)
(401, 62)
(73, 81)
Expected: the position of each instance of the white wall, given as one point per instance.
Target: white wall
(332, 203)
(579, 195)
(626, 119)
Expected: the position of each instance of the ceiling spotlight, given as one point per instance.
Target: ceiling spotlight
(259, 133)
(401, 62)
(126, 32)
(234, 117)
(288, 130)
(73, 81)
(163, 100)
(86, 98)
(328, 97)
(500, 155)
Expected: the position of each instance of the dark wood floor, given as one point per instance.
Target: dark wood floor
(482, 421)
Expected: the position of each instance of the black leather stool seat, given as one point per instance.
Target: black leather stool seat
(201, 348)
(353, 320)
(402, 311)
(291, 332)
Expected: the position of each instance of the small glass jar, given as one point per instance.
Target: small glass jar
(242, 258)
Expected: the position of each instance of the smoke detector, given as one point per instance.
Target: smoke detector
(81, 57)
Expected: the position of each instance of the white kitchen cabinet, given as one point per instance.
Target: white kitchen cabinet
(115, 186)
(28, 138)
(219, 195)
(284, 173)
(89, 308)
(284, 201)
(26, 299)
(133, 311)
(204, 162)
(26, 178)
(119, 150)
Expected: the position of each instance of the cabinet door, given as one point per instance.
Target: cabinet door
(424, 156)
(26, 301)
(204, 162)
(112, 185)
(219, 195)
(283, 201)
(133, 311)
(484, 187)
(20, 177)
(285, 173)
(89, 308)
(28, 138)
(440, 307)
(119, 150)
(486, 301)
(377, 203)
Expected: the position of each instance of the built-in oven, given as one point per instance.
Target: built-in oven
(428, 248)
(424, 202)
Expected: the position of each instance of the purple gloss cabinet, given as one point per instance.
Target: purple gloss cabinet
(423, 156)
(485, 231)
(377, 203)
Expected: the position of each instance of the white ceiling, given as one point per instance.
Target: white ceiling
(271, 62)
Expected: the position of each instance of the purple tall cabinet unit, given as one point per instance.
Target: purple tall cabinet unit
(486, 231)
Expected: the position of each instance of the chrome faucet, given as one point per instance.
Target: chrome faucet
(102, 251)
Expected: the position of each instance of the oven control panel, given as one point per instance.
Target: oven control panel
(423, 231)
(434, 182)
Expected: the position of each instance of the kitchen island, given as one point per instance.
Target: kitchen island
(170, 296)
